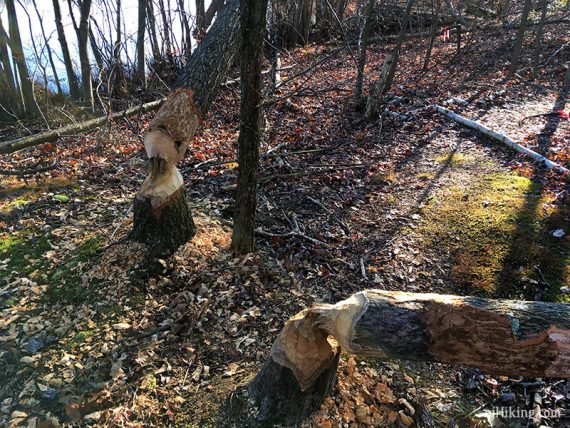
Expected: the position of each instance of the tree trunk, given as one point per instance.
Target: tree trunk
(498, 336)
(71, 76)
(152, 30)
(538, 38)
(10, 94)
(520, 38)
(120, 86)
(253, 18)
(141, 72)
(362, 47)
(48, 49)
(215, 7)
(378, 89)
(396, 53)
(200, 18)
(83, 38)
(167, 46)
(172, 128)
(26, 86)
(187, 41)
(432, 38)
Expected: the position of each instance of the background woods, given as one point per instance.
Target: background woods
(258, 212)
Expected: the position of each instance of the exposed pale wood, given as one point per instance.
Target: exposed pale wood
(53, 135)
(502, 337)
(501, 138)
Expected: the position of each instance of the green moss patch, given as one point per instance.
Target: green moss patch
(455, 159)
(499, 235)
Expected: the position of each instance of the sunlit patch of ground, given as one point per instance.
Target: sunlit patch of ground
(499, 231)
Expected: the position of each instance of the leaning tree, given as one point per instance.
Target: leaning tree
(162, 218)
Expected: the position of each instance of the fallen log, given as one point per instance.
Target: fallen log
(12, 146)
(501, 337)
(501, 138)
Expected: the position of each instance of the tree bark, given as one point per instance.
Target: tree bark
(538, 38)
(362, 47)
(141, 72)
(378, 89)
(175, 124)
(253, 17)
(498, 336)
(71, 76)
(83, 38)
(520, 38)
(26, 86)
(396, 53)
(10, 94)
(200, 18)
(215, 7)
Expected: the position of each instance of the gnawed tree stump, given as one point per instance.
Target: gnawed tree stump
(295, 380)
(162, 218)
(498, 336)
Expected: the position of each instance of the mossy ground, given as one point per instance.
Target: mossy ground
(498, 231)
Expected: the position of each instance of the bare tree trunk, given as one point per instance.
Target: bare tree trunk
(253, 18)
(538, 38)
(71, 76)
(165, 30)
(48, 49)
(120, 87)
(187, 40)
(498, 336)
(30, 105)
(200, 18)
(399, 42)
(162, 218)
(141, 72)
(362, 47)
(432, 38)
(152, 30)
(10, 94)
(83, 38)
(520, 38)
(378, 88)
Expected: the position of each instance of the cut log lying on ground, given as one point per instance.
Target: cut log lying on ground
(53, 135)
(502, 337)
(501, 138)
(162, 218)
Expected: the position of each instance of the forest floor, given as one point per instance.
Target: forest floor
(89, 335)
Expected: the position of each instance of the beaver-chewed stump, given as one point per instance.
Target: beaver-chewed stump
(501, 337)
(162, 217)
(294, 380)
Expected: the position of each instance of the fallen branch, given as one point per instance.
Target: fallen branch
(29, 171)
(267, 178)
(498, 336)
(501, 138)
(53, 135)
(264, 72)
